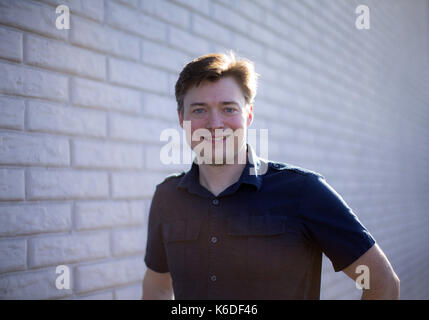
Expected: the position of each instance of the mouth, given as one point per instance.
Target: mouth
(215, 139)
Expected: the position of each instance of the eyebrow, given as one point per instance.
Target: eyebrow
(203, 104)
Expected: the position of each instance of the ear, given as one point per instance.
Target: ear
(249, 115)
(180, 118)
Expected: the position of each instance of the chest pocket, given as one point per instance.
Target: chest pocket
(181, 245)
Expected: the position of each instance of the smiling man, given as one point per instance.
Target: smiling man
(219, 115)
(236, 226)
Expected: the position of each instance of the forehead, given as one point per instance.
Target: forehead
(224, 89)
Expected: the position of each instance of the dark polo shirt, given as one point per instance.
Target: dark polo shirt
(261, 238)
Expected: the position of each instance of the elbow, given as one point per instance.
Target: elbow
(391, 288)
(396, 287)
(387, 289)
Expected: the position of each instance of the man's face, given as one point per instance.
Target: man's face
(220, 108)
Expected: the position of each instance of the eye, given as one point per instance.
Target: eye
(230, 110)
(198, 110)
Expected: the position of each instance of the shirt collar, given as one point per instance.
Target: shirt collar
(252, 173)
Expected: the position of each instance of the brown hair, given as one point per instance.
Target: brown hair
(214, 66)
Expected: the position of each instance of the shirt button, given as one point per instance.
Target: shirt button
(215, 202)
(213, 278)
(213, 240)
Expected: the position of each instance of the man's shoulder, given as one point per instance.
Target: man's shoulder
(168, 186)
(290, 168)
(172, 178)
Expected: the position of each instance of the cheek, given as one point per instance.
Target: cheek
(236, 123)
(197, 124)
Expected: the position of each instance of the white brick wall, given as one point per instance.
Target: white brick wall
(11, 48)
(59, 184)
(81, 112)
(27, 219)
(11, 113)
(20, 149)
(61, 57)
(30, 82)
(12, 184)
(56, 119)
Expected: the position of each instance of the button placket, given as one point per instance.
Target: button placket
(213, 240)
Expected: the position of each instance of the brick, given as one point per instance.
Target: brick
(133, 21)
(58, 184)
(11, 45)
(251, 49)
(132, 3)
(290, 48)
(93, 9)
(11, 113)
(87, 154)
(128, 241)
(230, 18)
(211, 30)
(12, 185)
(165, 10)
(250, 10)
(35, 218)
(53, 118)
(13, 254)
(106, 295)
(97, 215)
(268, 73)
(137, 76)
(172, 79)
(127, 128)
(133, 292)
(22, 149)
(153, 161)
(63, 57)
(274, 22)
(31, 16)
(88, 93)
(108, 274)
(268, 5)
(201, 6)
(262, 34)
(228, 4)
(92, 35)
(157, 106)
(135, 185)
(32, 285)
(64, 249)
(267, 110)
(170, 59)
(19, 80)
(181, 39)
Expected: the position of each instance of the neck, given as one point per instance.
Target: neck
(217, 178)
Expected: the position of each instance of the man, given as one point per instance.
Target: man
(252, 229)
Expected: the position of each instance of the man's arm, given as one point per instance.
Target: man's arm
(383, 281)
(157, 286)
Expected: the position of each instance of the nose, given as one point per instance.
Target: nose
(214, 120)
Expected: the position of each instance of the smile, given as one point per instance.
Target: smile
(215, 138)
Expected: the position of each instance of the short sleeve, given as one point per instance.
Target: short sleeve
(332, 223)
(155, 257)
